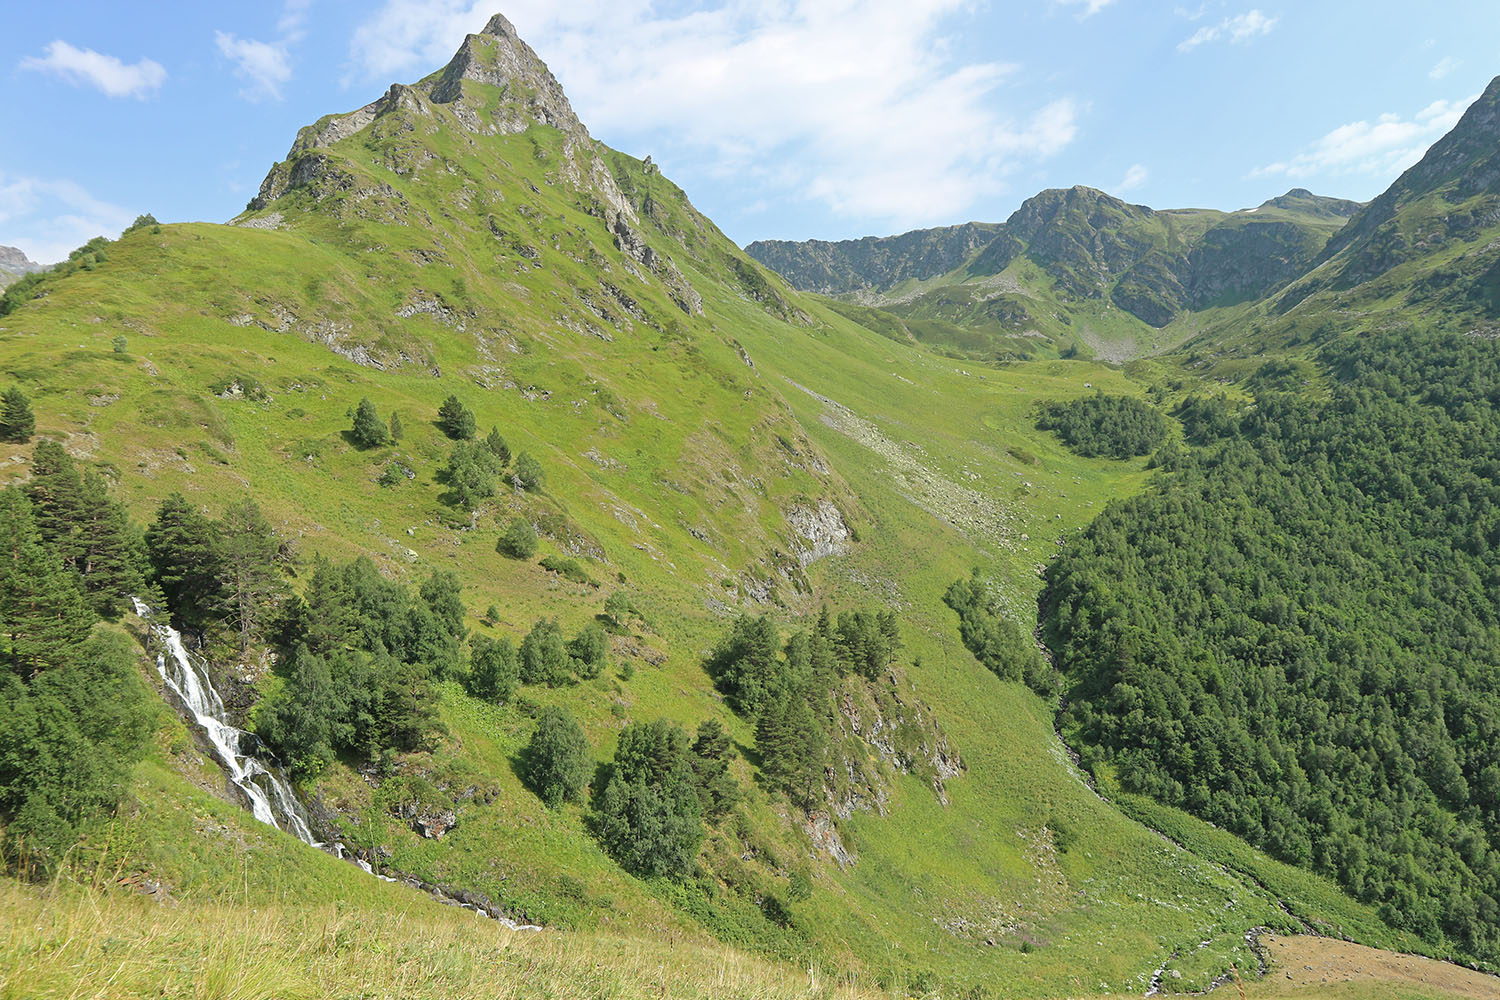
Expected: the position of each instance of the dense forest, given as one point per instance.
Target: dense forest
(1101, 426)
(1295, 633)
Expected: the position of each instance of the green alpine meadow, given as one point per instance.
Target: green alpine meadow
(468, 573)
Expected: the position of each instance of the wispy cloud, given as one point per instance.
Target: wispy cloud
(1383, 147)
(1444, 66)
(1089, 7)
(856, 105)
(1239, 29)
(266, 67)
(94, 69)
(47, 218)
(1134, 178)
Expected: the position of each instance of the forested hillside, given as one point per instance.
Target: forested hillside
(1295, 632)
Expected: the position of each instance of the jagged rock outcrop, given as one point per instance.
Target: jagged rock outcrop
(16, 262)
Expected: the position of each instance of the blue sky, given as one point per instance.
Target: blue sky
(781, 118)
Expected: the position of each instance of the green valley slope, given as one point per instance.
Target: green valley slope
(465, 235)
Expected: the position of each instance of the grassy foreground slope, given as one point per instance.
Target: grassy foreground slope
(684, 404)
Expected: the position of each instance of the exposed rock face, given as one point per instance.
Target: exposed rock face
(496, 57)
(16, 262)
(873, 262)
(822, 528)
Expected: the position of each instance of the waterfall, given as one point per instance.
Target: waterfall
(263, 784)
(258, 778)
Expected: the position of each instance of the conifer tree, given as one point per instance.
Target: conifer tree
(497, 446)
(456, 420)
(17, 422)
(113, 556)
(42, 609)
(247, 554)
(368, 431)
(396, 429)
(57, 495)
(183, 548)
(717, 791)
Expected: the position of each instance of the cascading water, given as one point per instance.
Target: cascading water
(264, 786)
(259, 780)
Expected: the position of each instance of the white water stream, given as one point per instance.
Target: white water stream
(264, 786)
(260, 781)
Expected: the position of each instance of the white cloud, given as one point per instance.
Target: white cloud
(1134, 178)
(1383, 147)
(49, 218)
(1239, 29)
(851, 103)
(265, 66)
(1090, 7)
(105, 73)
(1444, 66)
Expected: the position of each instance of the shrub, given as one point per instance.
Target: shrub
(494, 669)
(528, 474)
(544, 655)
(518, 540)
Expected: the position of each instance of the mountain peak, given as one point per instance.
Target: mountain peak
(497, 57)
(499, 25)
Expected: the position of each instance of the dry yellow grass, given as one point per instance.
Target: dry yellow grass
(74, 944)
(1313, 967)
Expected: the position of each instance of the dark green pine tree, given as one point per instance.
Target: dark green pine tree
(456, 420)
(368, 431)
(497, 446)
(113, 558)
(717, 790)
(43, 614)
(247, 552)
(17, 422)
(183, 547)
(57, 496)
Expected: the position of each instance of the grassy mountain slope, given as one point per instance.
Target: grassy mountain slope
(464, 235)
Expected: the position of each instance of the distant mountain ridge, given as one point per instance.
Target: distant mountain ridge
(1065, 266)
(14, 263)
(1077, 270)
